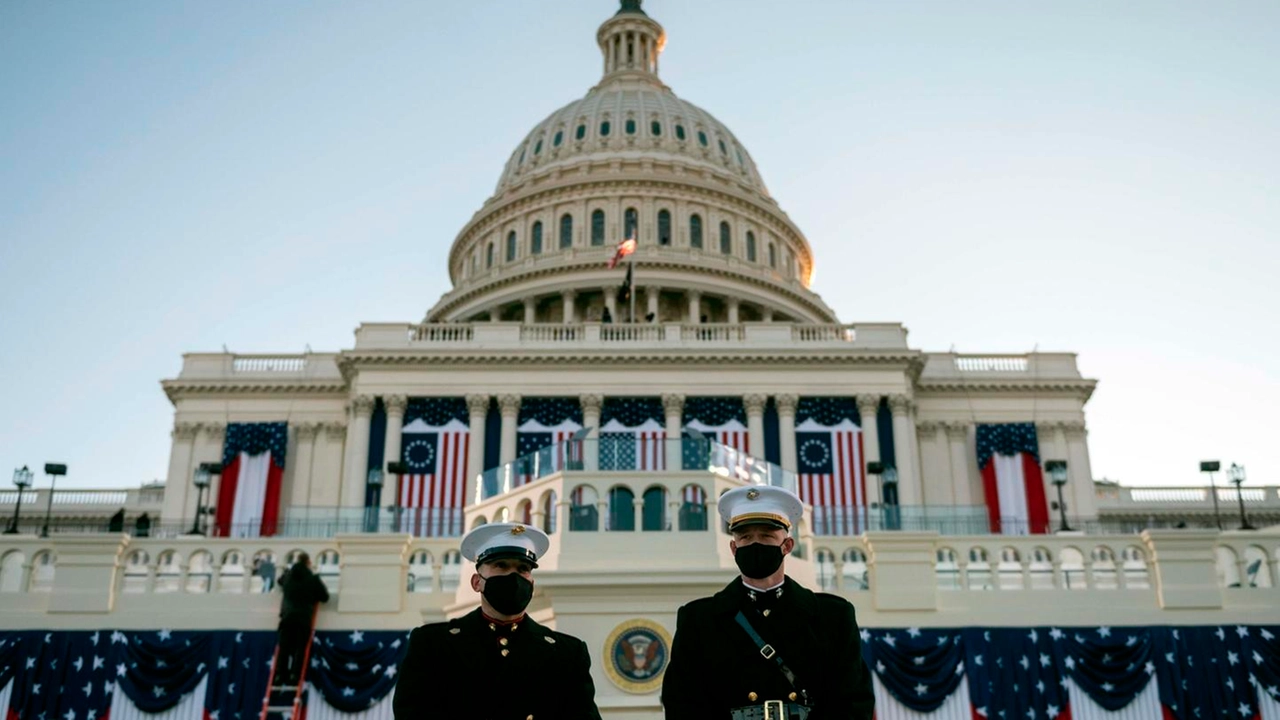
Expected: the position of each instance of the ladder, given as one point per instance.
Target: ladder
(277, 702)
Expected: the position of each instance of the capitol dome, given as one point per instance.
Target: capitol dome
(630, 159)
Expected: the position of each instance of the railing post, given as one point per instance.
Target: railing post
(901, 570)
(437, 581)
(1185, 568)
(673, 514)
(84, 579)
(374, 572)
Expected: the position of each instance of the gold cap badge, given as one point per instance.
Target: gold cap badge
(517, 530)
(753, 494)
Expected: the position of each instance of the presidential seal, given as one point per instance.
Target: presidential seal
(635, 654)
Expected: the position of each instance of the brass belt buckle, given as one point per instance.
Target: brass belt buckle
(775, 706)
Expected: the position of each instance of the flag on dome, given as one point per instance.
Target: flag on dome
(1012, 483)
(625, 248)
(253, 456)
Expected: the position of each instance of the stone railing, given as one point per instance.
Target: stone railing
(664, 336)
(1118, 497)
(95, 502)
(1036, 365)
(217, 366)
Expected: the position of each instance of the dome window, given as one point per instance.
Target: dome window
(604, 129)
(631, 127)
(581, 132)
(521, 160)
(702, 138)
(511, 246)
(664, 227)
(558, 139)
(680, 132)
(537, 238)
(723, 150)
(488, 257)
(726, 238)
(597, 227)
(655, 127)
(695, 231)
(566, 231)
(738, 150)
(537, 149)
(773, 256)
(631, 224)
(751, 246)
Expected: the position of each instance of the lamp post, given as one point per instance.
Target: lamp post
(398, 469)
(889, 483)
(373, 485)
(53, 470)
(876, 469)
(1211, 467)
(22, 479)
(202, 476)
(1235, 474)
(1057, 470)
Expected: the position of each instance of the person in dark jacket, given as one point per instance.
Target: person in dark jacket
(496, 663)
(302, 592)
(805, 661)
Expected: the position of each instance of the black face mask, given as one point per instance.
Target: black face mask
(758, 561)
(508, 594)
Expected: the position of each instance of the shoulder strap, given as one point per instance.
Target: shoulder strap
(766, 650)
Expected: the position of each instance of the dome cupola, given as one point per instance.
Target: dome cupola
(631, 42)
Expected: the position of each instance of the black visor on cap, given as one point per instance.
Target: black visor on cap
(504, 552)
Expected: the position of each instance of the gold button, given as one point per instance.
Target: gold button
(492, 626)
(766, 613)
(502, 641)
(515, 627)
(792, 697)
(505, 652)
(752, 696)
(529, 718)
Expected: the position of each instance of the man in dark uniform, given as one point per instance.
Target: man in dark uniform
(766, 648)
(496, 663)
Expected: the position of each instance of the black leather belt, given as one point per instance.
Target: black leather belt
(771, 710)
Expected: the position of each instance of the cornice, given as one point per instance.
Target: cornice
(177, 389)
(1079, 388)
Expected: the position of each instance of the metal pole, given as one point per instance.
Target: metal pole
(1244, 521)
(44, 532)
(13, 526)
(632, 289)
(195, 524)
(1062, 508)
(1213, 491)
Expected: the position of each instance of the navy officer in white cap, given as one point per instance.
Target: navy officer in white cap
(765, 647)
(496, 663)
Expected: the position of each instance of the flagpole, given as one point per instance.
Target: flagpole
(632, 292)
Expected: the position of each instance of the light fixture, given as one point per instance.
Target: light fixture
(1211, 467)
(21, 479)
(1057, 470)
(201, 478)
(1235, 475)
(53, 470)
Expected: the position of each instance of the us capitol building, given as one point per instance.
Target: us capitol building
(611, 406)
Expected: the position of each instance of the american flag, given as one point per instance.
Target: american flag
(434, 450)
(632, 434)
(544, 437)
(253, 456)
(1012, 483)
(832, 475)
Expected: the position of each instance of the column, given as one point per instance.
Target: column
(327, 470)
(1079, 471)
(868, 406)
(935, 464)
(591, 420)
(961, 473)
(530, 311)
(357, 451)
(787, 430)
(651, 295)
(695, 306)
(754, 405)
(908, 479)
(570, 307)
(509, 406)
(673, 408)
(178, 482)
(395, 405)
(477, 411)
(766, 314)
(300, 492)
(733, 310)
(611, 302)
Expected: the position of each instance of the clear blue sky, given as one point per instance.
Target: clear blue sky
(1099, 177)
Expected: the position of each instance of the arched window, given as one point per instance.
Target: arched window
(773, 256)
(726, 239)
(488, 257)
(631, 127)
(751, 246)
(583, 514)
(723, 150)
(680, 133)
(511, 246)
(702, 138)
(566, 231)
(631, 224)
(654, 512)
(537, 149)
(559, 138)
(693, 509)
(664, 227)
(695, 231)
(537, 237)
(581, 132)
(597, 227)
(622, 510)
(655, 127)
(604, 129)
(549, 512)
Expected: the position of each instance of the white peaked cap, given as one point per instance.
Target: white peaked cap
(505, 540)
(760, 504)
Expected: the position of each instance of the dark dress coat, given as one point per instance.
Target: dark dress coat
(715, 665)
(303, 590)
(456, 669)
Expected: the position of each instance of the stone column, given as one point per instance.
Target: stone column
(178, 483)
(734, 304)
(868, 406)
(786, 431)
(357, 451)
(754, 405)
(961, 473)
(477, 411)
(651, 295)
(1079, 471)
(570, 307)
(611, 302)
(300, 493)
(673, 408)
(395, 405)
(908, 479)
(695, 306)
(591, 420)
(509, 406)
(327, 470)
(530, 311)
(766, 314)
(935, 464)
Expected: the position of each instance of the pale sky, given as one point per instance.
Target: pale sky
(1096, 177)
